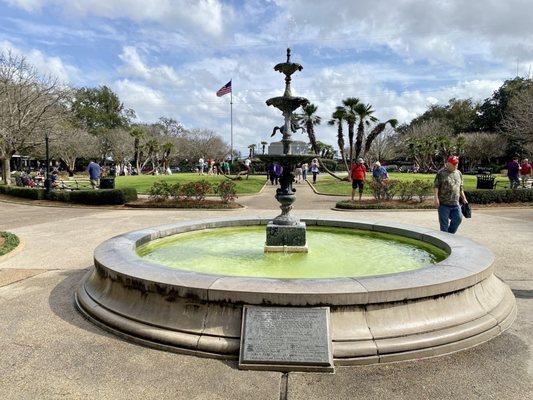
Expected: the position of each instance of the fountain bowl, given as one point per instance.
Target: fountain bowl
(438, 309)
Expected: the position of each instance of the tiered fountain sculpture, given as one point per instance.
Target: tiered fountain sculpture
(286, 232)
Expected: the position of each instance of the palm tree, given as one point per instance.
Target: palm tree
(338, 116)
(251, 147)
(137, 133)
(364, 113)
(263, 145)
(308, 120)
(351, 103)
(377, 131)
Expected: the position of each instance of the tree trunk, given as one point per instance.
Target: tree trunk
(359, 140)
(323, 165)
(350, 140)
(6, 170)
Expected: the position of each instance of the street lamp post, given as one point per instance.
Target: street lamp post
(47, 183)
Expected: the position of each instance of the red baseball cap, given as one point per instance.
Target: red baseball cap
(453, 160)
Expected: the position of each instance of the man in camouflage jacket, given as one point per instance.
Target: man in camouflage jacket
(448, 187)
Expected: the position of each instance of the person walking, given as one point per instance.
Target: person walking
(448, 188)
(525, 172)
(94, 171)
(247, 167)
(201, 166)
(513, 172)
(277, 171)
(315, 170)
(358, 176)
(305, 168)
(298, 174)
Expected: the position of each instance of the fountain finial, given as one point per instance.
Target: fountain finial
(288, 54)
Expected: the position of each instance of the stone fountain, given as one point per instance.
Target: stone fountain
(302, 322)
(286, 233)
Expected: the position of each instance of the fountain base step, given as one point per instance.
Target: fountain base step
(286, 235)
(286, 249)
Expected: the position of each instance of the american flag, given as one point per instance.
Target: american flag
(224, 89)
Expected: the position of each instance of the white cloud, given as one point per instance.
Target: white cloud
(441, 31)
(400, 56)
(49, 65)
(207, 16)
(159, 76)
(148, 103)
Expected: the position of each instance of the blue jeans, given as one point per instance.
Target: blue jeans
(450, 218)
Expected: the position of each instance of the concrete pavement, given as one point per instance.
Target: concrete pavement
(48, 351)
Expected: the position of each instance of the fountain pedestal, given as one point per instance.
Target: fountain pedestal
(286, 233)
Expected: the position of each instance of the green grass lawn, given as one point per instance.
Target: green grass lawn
(328, 185)
(143, 182)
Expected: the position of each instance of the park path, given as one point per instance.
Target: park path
(306, 199)
(48, 350)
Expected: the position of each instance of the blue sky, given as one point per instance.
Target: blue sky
(168, 57)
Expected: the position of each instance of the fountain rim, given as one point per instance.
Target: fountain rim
(467, 264)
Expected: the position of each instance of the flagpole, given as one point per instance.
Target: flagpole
(231, 118)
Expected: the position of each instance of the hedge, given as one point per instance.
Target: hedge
(484, 196)
(27, 193)
(90, 197)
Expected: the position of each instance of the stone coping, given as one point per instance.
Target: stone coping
(467, 264)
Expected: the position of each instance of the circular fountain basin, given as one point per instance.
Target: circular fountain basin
(443, 299)
(239, 251)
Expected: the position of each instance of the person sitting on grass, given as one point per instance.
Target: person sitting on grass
(358, 176)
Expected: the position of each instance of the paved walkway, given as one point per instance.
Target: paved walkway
(306, 199)
(48, 351)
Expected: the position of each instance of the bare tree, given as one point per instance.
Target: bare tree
(30, 103)
(384, 147)
(198, 143)
(481, 147)
(69, 142)
(121, 147)
(518, 123)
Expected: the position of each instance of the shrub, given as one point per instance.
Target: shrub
(159, 191)
(384, 190)
(421, 189)
(91, 197)
(226, 191)
(24, 192)
(198, 189)
(405, 191)
(60, 196)
(484, 196)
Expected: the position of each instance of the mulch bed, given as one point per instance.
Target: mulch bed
(371, 204)
(188, 204)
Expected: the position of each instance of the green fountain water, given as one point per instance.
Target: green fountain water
(334, 253)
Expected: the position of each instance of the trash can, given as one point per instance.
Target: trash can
(485, 182)
(107, 183)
